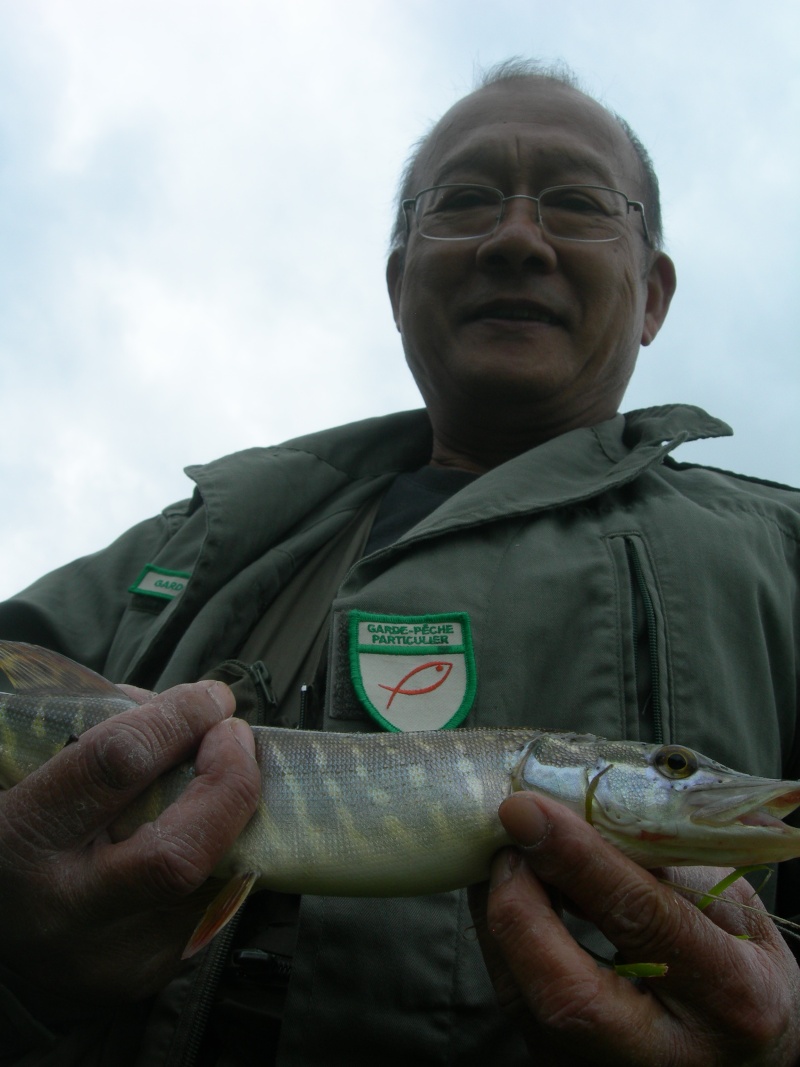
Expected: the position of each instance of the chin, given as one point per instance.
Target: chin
(516, 386)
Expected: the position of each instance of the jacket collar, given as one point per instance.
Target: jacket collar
(308, 471)
(574, 466)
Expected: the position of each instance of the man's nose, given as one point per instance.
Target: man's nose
(519, 239)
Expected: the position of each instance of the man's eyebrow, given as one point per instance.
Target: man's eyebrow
(552, 161)
(477, 159)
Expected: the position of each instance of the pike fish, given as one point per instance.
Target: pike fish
(399, 814)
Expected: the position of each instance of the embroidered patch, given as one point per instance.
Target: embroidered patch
(413, 672)
(157, 581)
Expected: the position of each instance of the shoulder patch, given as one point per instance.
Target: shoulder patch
(413, 672)
(159, 582)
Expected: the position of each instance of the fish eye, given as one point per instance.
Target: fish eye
(673, 761)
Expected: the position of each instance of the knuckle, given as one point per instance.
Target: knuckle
(20, 840)
(504, 915)
(765, 1028)
(38, 821)
(755, 1034)
(573, 1004)
(639, 913)
(121, 757)
(239, 792)
(171, 721)
(173, 869)
(122, 753)
(231, 777)
(125, 750)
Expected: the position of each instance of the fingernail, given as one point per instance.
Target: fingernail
(525, 820)
(243, 735)
(222, 696)
(503, 867)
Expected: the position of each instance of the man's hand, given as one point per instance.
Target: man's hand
(95, 920)
(724, 1001)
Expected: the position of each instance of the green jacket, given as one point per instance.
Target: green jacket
(607, 589)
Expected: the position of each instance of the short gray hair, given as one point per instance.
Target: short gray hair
(517, 69)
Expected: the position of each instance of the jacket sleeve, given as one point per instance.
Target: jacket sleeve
(75, 610)
(36, 1030)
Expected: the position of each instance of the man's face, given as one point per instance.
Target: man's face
(518, 322)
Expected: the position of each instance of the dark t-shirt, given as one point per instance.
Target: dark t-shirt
(411, 498)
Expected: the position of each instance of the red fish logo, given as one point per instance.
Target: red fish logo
(441, 667)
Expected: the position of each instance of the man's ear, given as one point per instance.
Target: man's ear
(394, 282)
(661, 283)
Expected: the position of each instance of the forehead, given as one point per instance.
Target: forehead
(532, 126)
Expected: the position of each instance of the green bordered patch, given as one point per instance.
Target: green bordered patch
(413, 672)
(159, 582)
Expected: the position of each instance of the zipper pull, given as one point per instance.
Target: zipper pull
(262, 681)
(306, 692)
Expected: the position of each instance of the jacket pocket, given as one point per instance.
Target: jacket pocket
(643, 635)
(251, 684)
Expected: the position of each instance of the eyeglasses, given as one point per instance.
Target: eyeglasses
(568, 212)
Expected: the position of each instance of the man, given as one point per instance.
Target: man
(593, 583)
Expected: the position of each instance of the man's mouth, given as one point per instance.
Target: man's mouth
(516, 311)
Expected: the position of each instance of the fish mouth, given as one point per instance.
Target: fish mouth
(755, 804)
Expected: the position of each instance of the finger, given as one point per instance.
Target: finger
(573, 1012)
(569, 1008)
(79, 792)
(172, 856)
(738, 909)
(506, 987)
(646, 921)
(709, 971)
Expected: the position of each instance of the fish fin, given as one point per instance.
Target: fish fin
(32, 669)
(220, 911)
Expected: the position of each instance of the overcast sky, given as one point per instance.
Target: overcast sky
(195, 198)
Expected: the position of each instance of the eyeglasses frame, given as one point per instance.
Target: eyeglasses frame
(637, 205)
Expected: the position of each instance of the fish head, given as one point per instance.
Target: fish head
(668, 804)
(681, 807)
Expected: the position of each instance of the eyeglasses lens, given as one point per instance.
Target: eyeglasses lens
(576, 212)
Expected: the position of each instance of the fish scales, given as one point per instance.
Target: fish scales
(35, 728)
(392, 813)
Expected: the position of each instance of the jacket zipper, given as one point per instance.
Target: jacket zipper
(637, 572)
(213, 969)
(305, 699)
(262, 682)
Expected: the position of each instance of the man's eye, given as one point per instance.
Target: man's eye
(573, 201)
(580, 201)
(464, 200)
